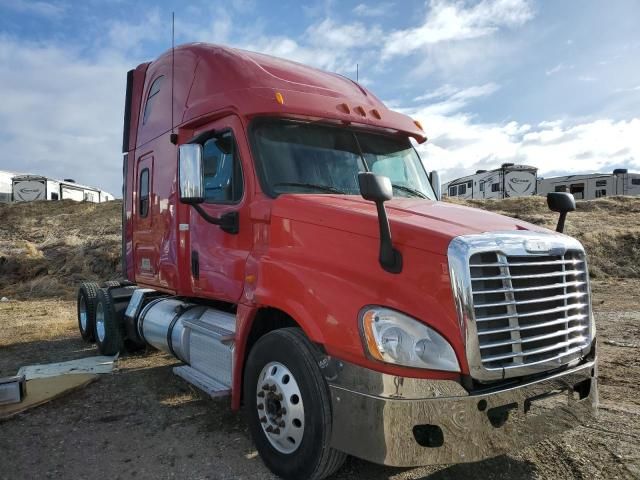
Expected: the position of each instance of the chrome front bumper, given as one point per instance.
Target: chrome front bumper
(409, 422)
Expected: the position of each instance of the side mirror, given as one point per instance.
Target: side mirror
(375, 187)
(190, 173)
(435, 184)
(562, 203)
(378, 189)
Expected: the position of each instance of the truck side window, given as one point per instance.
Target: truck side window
(144, 193)
(222, 170)
(151, 98)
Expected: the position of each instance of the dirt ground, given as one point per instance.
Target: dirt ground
(144, 422)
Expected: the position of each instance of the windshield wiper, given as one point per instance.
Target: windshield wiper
(417, 193)
(324, 188)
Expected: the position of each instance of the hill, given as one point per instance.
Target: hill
(47, 248)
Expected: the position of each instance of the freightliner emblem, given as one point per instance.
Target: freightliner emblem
(536, 246)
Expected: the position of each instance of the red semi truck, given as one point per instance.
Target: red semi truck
(282, 239)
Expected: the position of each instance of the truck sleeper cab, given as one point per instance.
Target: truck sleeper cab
(283, 240)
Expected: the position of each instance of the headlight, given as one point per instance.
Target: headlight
(393, 337)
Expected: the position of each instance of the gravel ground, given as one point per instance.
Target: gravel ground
(143, 422)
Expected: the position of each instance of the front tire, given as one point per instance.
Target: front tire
(289, 407)
(107, 327)
(87, 294)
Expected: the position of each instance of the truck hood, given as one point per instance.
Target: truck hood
(417, 223)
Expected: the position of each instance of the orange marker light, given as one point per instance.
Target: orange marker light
(370, 338)
(361, 111)
(418, 124)
(279, 98)
(344, 107)
(376, 114)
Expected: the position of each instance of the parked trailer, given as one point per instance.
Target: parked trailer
(28, 188)
(349, 311)
(507, 181)
(593, 185)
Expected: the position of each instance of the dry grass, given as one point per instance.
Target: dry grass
(25, 322)
(48, 248)
(608, 228)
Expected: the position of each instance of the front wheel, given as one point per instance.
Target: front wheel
(288, 407)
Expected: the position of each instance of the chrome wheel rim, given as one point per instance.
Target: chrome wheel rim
(83, 314)
(100, 332)
(280, 408)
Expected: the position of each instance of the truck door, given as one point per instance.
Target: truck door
(217, 256)
(144, 248)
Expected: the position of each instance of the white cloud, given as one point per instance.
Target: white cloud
(453, 21)
(126, 36)
(458, 145)
(67, 124)
(557, 69)
(326, 44)
(330, 34)
(453, 99)
(364, 10)
(44, 9)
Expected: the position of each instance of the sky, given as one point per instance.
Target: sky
(554, 84)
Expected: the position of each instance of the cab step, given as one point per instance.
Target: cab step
(210, 386)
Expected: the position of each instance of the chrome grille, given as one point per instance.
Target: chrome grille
(529, 309)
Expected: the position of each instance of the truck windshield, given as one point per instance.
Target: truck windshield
(296, 157)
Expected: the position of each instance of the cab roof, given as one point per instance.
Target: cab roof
(209, 79)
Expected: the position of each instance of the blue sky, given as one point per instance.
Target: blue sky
(554, 84)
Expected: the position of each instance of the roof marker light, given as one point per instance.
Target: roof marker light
(361, 111)
(344, 107)
(418, 124)
(279, 98)
(376, 114)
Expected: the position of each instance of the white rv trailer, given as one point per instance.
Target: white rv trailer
(28, 188)
(507, 181)
(593, 185)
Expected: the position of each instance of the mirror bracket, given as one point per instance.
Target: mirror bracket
(562, 203)
(228, 222)
(378, 189)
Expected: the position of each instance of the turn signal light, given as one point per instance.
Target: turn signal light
(279, 98)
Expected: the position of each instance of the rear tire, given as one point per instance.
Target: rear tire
(86, 308)
(107, 327)
(289, 408)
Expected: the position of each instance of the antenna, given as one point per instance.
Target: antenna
(357, 72)
(173, 137)
(173, 47)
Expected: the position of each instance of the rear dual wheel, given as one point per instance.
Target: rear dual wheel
(87, 294)
(288, 407)
(107, 326)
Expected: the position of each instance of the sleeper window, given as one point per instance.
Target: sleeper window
(222, 171)
(152, 98)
